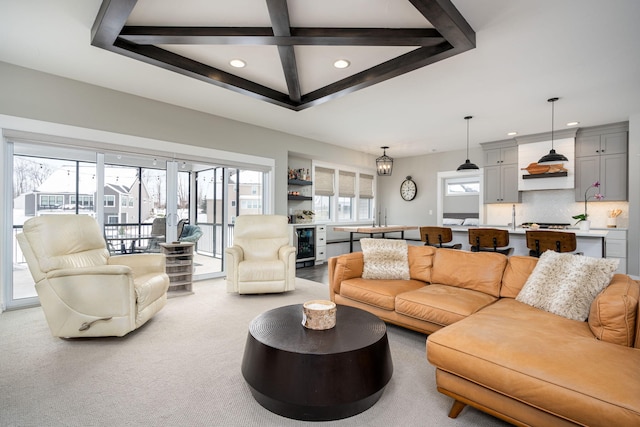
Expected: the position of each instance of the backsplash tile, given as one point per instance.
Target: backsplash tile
(555, 206)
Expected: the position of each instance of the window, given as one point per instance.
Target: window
(343, 195)
(462, 186)
(346, 196)
(109, 200)
(250, 204)
(51, 201)
(124, 201)
(112, 219)
(365, 196)
(324, 192)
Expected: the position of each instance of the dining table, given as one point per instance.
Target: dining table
(374, 230)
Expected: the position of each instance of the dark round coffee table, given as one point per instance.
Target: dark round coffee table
(314, 375)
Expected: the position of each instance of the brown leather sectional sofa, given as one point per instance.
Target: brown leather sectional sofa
(511, 360)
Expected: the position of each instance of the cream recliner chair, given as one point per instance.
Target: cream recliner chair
(261, 259)
(84, 291)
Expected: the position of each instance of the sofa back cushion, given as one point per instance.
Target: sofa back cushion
(613, 314)
(516, 274)
(479, 271)
(421, 262)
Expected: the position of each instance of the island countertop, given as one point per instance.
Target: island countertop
(590, 243)
(520, 230)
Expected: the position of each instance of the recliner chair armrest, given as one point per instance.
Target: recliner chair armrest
(105, 270)
(285, 251)
(236, 253)
(140, 263)
(233, 256)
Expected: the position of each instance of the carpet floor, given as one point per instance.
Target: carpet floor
(182, 368)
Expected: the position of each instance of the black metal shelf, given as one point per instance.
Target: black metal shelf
(545, 175)
(292, 197)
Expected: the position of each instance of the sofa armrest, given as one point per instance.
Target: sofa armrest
(347, 266)
(613, 313)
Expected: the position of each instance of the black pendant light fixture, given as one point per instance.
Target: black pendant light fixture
(384, 163)
(467, 165)
(552, 156)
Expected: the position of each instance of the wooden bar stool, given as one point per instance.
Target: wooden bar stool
(489, 240)
(559, 241)
(436, 236)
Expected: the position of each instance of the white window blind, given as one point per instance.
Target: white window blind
(347, 184)
(323, 180)
(365, 190)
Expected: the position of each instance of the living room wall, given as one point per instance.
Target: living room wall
(35, 95)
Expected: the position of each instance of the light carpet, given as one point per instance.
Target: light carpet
(183, 369)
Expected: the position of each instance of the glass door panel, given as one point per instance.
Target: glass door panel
(45, 186)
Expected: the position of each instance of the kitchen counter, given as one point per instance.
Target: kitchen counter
(519, 230)
(590, 243)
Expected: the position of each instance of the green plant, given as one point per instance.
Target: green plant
(597, 196)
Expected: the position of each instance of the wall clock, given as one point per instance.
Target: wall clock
(408, 189)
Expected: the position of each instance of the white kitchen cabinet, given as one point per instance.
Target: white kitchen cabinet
(616, 248)
(321, 244)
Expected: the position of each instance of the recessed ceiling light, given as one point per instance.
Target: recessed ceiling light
(237, 63)
(512, 133)
(341, 63)
(573, 123)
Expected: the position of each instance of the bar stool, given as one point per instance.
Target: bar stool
(559, 241)
(436, 236)
(489, 240)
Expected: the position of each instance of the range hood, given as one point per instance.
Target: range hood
(557, 176)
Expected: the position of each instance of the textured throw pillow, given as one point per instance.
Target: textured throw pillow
(567, 284)
(385, 259)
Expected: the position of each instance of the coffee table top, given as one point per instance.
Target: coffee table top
(282, 328)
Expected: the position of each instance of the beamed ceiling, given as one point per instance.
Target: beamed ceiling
(186, 49)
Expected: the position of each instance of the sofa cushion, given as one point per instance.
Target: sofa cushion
(516, 274)
(612, 317)
(566, 284)
(379, 293)
(479, 271)
(385, 259)
(441, 304)
(421, 262)
(543, 360)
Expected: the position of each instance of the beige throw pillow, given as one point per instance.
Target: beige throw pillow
(385, 259)
(567, 284)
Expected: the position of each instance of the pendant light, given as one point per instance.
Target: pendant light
(467, 165)
(552, 156)
(384, 163)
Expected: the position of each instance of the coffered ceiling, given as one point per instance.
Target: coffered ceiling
(291, 31)
(583, 51)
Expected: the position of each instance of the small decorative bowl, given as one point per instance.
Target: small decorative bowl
(319, 314)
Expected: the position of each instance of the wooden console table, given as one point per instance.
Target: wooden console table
(383, 229)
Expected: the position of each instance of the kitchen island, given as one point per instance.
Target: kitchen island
(590, 243)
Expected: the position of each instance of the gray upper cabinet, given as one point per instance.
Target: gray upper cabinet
(601, 155)
(501, 172)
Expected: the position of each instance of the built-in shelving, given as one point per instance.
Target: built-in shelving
(299, 182)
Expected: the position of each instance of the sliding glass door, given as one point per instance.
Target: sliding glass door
(139, 200)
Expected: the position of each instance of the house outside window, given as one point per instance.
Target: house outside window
(51, 201)
(109, 200)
